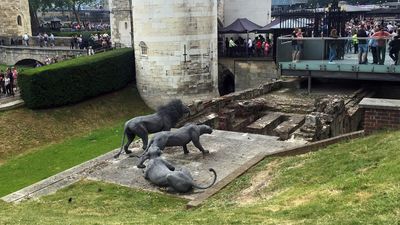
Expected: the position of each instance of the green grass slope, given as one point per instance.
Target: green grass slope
(40, 143)
(24, 130)
(356, 182)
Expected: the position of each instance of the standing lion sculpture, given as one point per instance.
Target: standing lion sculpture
(164, 119)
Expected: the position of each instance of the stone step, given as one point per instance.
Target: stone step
(240, 124)
(266, 124)
(285, 129)
(210, 119)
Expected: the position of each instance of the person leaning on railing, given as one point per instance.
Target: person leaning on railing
(381, 36)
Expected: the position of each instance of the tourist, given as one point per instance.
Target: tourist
(300, 44)
(232, 46)
(381, 37)
(72, 42)
(373, 46)
(394, 48)
(80, 41)
(45, 39)
(355, 41)
(52, 40)
(267, 48)
(40, 39)
(362, 45)
(15, 76)
(2, 82)
(250, 47)
(259, 47)
(90, 50)
(294, 45)
(7, 85)
(11, 80)
(333, 46)
(25, 39)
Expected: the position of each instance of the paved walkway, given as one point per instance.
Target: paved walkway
(10, 102)
(228, 152)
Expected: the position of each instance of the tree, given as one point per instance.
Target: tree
(75, 6)
(45, 5)
(34, 6)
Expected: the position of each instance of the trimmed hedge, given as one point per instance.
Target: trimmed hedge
(78, 79)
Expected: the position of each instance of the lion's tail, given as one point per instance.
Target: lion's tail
(122, 144)
(215, 179)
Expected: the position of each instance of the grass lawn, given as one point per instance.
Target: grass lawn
(24, 130)
(38, 144)
(357, 182)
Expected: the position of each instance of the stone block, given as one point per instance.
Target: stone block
(285, 129)
(265, 124)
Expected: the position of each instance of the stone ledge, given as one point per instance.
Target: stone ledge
(11, 105)
(379, 103)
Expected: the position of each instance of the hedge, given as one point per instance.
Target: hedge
(78, 79)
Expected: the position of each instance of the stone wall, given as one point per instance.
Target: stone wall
(175, 50)
(121, 22)
(214, 112)
(380, 114)
(250, 73)
(13, 12)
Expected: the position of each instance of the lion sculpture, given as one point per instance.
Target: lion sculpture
(180, 137)
(162, 173)
(164, 119)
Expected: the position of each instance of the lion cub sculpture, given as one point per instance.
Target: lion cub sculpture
(164, 119)
(180, 137)
(162, 173)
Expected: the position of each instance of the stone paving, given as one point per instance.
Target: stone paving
(228, 152)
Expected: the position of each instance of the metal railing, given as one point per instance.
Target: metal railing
(342, 50)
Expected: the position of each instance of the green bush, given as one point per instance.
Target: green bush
(78, 79)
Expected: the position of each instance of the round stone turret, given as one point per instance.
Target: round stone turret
(175, 46)
(15, 19)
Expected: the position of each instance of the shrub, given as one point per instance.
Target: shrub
(78, 79)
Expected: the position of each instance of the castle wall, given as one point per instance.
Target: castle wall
(175, 49)
(121, 22)
(10, 10)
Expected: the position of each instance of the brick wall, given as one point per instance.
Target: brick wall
(380, 114)
(377, 119)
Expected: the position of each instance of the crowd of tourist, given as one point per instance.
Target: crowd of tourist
(259, 47)
(8, 82)
(78, 42)
(361, 38)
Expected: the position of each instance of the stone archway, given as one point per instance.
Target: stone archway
(28, 62)
(226, 80)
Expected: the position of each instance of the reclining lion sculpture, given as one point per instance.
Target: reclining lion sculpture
(162, 173)
(180, 137)
(164, 119)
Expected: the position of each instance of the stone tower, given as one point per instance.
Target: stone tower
(175, 49)
(15, 19)
(121, 22)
